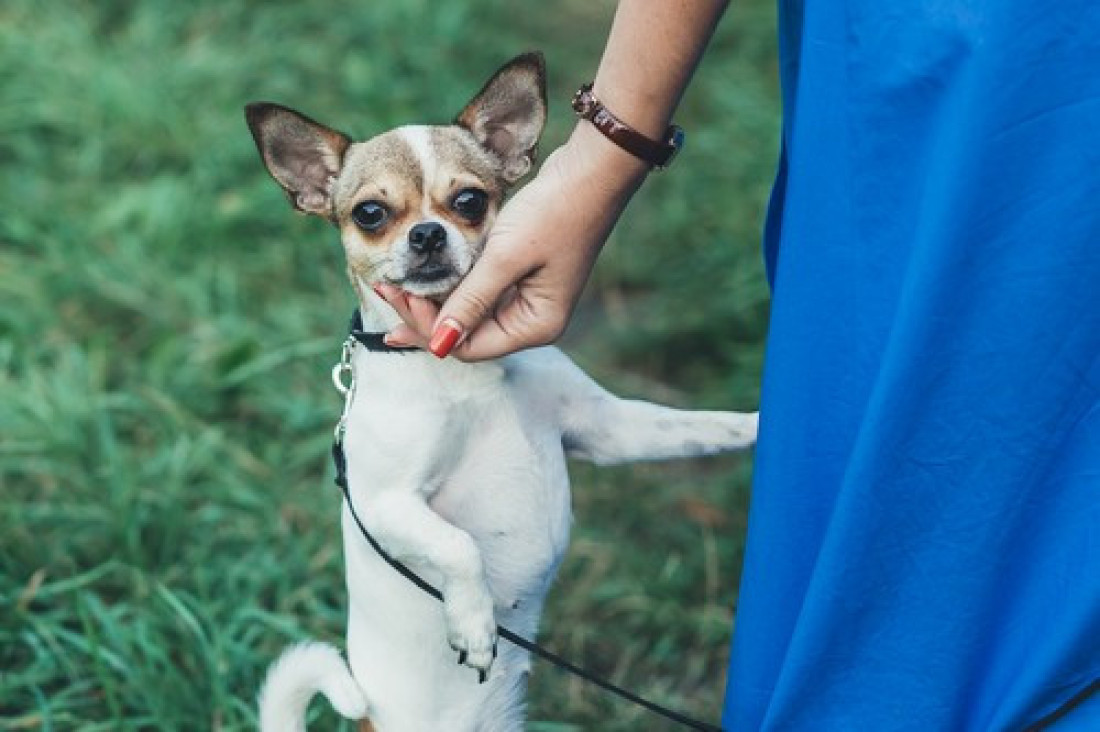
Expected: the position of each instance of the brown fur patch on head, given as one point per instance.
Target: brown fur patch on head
(385, 162)
(457, 148)
(460, 164)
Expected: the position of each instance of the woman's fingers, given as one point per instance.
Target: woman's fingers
(402, 336)
(476, 299)
(418, 315)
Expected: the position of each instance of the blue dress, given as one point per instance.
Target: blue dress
(924, 535)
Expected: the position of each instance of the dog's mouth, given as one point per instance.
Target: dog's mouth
(429, 273)
(431, 280)
(433, 276)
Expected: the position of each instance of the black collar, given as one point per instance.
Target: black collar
(373, 341)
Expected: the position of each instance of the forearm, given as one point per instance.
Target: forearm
(651, 53)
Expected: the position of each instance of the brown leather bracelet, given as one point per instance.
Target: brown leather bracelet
(658, 153)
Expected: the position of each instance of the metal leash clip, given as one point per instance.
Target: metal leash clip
(343, 378)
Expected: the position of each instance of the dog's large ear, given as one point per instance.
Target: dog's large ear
(508, 114)
(303, 156)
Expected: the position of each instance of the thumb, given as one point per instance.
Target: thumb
(472, 301)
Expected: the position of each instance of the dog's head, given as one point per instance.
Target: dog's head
(413, 205)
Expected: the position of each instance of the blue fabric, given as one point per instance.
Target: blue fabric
(924, 536)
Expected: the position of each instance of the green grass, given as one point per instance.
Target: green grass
(167, 521)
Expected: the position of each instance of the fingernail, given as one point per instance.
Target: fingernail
(444, 338)
(393, 342)
(378, 290)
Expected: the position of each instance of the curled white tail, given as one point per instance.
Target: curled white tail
(298, 674)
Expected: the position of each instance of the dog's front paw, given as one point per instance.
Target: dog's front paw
(471, 627)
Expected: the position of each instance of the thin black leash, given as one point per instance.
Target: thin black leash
(374, 342)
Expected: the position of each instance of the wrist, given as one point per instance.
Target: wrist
(646, 111)
(614, 170)
(658, 153)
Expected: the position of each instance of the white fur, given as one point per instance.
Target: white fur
(417, 138)
(459, 471)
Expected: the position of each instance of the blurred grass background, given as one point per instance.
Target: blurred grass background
(167, 521)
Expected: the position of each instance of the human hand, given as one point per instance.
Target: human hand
(538, 256)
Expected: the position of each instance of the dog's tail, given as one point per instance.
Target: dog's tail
(298, 674)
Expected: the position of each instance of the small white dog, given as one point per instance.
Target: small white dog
(457, 469)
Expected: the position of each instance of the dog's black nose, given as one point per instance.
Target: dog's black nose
(427, 238)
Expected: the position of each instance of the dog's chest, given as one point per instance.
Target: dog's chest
(467, 438)
(486, 460)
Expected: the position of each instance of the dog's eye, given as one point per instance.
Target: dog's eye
(471, 203)
(369, 215)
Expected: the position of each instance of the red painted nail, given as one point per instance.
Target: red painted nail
(444, 338)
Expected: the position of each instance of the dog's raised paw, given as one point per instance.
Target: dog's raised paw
(471, 628)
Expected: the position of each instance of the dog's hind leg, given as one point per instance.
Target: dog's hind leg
(598, 426)
(607, 430)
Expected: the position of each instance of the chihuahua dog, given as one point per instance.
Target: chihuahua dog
(457, 469)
